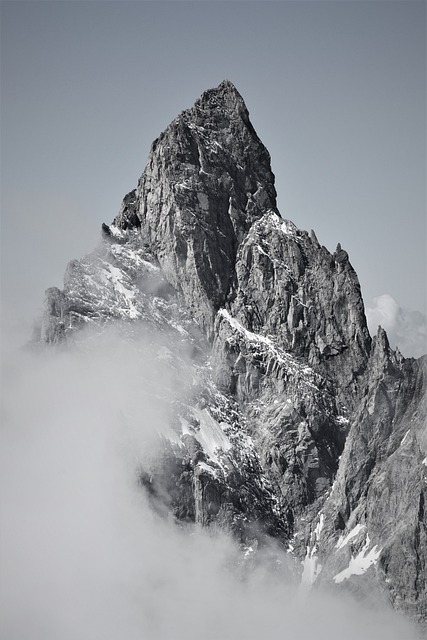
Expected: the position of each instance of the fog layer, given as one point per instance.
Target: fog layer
(83, 554)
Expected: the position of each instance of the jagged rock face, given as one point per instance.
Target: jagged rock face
(210, 471)
(290, 287)
(377, 504)
(208, 178)
(309, 302)
(306, 426)
(120, 280)
(294, 424)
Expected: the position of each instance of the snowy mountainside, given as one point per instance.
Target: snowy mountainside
(296, 426)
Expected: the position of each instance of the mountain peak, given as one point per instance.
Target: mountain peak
(227, 85)
(224, 96)
(208, 178)
(296, 426)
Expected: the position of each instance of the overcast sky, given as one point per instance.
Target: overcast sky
(336, 91)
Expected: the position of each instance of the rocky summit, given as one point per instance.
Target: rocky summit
(294, 425)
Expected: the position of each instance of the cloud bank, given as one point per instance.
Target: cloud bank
(406, 329)
(83, 554)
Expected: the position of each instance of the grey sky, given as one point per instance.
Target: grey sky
(336, 91)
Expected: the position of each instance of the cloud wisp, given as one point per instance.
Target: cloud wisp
(406, 329)
(84, 555)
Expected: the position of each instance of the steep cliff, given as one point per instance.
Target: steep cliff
(295, 425)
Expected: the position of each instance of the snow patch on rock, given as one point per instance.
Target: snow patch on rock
(209, 434)
(359, 564)
(344, 540)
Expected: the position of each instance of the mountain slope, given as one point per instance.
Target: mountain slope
(295, 425)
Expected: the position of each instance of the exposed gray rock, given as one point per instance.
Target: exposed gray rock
(289, 287)
(208, 178)
(53, 327)
(295, 425)
(380, 489)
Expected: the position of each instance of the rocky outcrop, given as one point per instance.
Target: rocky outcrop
(295, 425)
